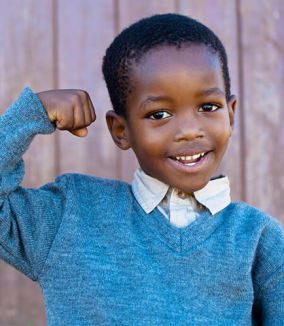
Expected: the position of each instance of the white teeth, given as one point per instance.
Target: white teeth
(190, 164)
(188, 158)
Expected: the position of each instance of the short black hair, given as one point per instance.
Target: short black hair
(133, 42)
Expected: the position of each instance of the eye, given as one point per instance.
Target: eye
(159, 115)
(209, 108)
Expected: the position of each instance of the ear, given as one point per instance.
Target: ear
(232, 104)
(118, 129)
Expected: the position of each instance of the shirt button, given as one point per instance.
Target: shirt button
(181, 194)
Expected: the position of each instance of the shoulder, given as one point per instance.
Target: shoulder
(246, 215)
(93, 200)
(260, 233)
(265, 234)
(78, 179)
(95, 187)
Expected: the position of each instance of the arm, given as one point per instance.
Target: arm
(269, 277)
(30, 218)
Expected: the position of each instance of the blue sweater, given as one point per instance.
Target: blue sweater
(100, 260)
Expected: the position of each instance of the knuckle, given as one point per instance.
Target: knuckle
(77, 99)
(81, 94)
(85, 94)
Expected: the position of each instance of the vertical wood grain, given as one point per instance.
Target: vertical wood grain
(263, 39)
(85, 29)
(220, 16)
(129, 12)
(26, 59)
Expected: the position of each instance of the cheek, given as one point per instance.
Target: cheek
(222, 139)
(150, 152)
(222, 130)
(152, 140)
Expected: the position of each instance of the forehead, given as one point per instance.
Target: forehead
(186, 52)
(189, 62)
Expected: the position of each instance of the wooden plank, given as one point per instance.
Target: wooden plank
(21, 302)
(8, 294)
(130, 12)
(220, 16)
(263, 39)
(26, 59)
(86, 28)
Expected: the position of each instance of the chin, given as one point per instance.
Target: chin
(193, 187)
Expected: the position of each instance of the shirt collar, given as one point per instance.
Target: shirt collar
(149, 192)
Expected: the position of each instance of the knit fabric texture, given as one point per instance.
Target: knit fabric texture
(101, 260)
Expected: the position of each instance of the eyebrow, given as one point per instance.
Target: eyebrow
(211, 91)
(150, 99)
(208, 91)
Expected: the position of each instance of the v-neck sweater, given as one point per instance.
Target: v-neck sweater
(101, 260)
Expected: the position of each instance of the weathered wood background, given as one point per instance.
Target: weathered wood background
(60, 44)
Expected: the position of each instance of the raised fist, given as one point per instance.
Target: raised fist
(69, 109)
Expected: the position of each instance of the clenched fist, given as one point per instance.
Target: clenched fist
(69, 109)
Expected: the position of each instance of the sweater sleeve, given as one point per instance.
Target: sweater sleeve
(269, 276)
(29, 218)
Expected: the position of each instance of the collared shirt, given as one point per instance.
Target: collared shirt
(180, 208)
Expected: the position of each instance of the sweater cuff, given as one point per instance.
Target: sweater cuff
(30, 111)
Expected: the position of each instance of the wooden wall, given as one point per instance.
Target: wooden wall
(60, 43)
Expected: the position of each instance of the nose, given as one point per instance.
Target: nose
(188, 128)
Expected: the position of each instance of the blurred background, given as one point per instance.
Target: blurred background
(50, 44)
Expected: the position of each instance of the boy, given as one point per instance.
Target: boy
(171, 249)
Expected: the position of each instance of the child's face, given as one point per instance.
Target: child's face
(179, 122)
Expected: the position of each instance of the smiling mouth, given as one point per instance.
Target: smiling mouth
(189, 160)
